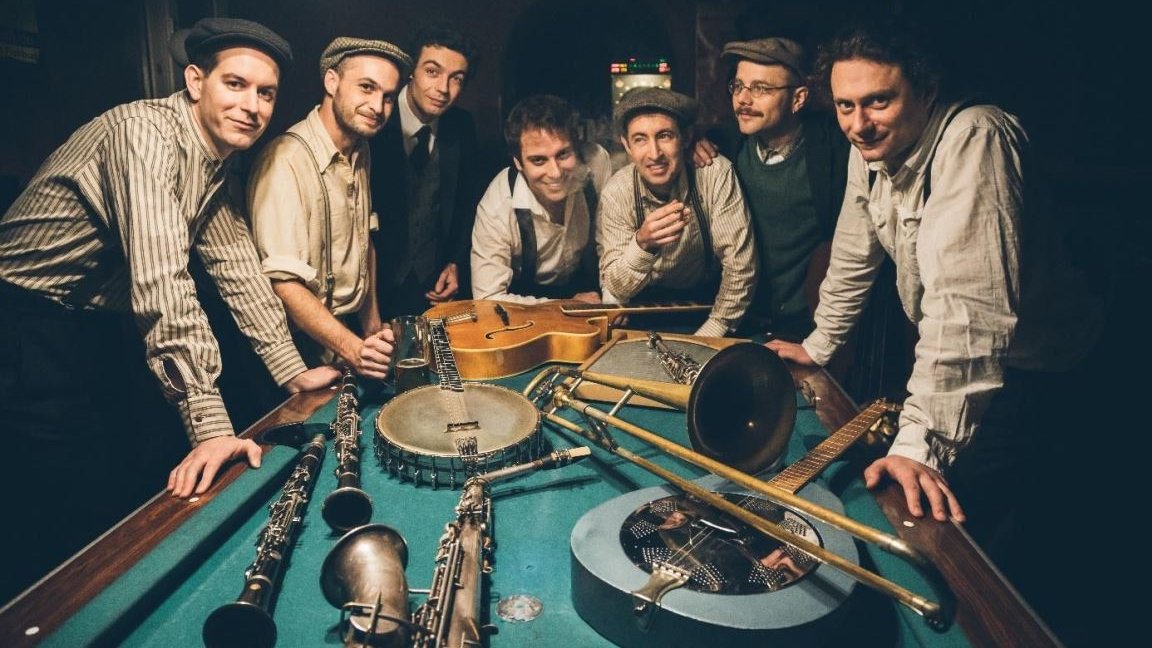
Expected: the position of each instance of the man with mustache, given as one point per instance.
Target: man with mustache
(93, 257)
(424, 179)
(666, 231)
(534, 237)
(791, 163)
(949, 188)
(311, 211)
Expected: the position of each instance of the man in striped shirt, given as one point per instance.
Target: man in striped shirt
(101, 238)
(666, 231)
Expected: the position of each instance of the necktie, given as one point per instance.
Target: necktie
(419, 156)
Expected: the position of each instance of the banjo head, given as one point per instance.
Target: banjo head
(415, 442)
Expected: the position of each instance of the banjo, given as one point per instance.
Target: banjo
(444, 433)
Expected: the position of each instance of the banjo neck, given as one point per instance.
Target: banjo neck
(451, 386)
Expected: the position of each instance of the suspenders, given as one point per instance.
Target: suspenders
(529, 260)
(329, 276)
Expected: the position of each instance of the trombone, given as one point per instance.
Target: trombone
(740, 364)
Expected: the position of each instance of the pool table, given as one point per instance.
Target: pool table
(153, 579)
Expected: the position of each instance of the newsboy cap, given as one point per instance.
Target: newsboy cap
(769, 51)
(210, 35)
(640, 100)
(345, 46)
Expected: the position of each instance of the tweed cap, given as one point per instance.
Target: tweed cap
(345, 46)
(768, 51)
(210, 35)
(643, 100)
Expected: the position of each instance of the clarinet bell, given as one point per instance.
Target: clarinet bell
(363, 575)
(239, 625)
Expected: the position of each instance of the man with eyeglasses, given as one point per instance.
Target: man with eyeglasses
(425, 181)
(792, 167)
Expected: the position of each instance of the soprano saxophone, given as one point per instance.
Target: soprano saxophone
(348, 506)
(680, 367)
(451, 616)
(246, 621)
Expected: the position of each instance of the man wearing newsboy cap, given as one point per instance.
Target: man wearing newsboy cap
(310, 205)
(667, 231)
(792, 165)
(93, 261)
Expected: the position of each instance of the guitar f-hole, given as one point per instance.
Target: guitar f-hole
(491, 335)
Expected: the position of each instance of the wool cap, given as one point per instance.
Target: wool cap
(210, 35)
(345, 46)
(768, 51)
(638, 100)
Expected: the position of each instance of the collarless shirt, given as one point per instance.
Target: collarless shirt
(626, 268)
(497, 249)
(290, 218)
(959, 273)
(121, 204)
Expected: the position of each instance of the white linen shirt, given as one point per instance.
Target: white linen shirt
(959, 274)
(497, 251)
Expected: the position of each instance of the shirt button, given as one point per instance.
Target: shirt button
(198, 417)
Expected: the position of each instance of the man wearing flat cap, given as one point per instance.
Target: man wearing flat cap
(311, 208)
(93, 257)
(792, 165)
(667, 231)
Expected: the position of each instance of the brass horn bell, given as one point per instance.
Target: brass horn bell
(740, 409)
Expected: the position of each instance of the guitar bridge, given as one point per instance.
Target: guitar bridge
(463, 426)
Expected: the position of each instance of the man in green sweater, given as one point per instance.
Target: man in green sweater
(792, 163)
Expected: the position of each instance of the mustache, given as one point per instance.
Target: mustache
(749, 112)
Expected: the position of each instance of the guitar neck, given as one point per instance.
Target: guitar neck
(576, 310)
(794, 477)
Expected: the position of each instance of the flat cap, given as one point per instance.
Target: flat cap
(344, 46)
(769, 51)
(211, 35)
(640, 100)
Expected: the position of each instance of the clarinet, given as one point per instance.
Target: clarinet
(348, 506)
(450, 617)
(246, 621)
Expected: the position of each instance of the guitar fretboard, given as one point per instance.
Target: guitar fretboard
(663, 307)
(451, 387)
(794, 477)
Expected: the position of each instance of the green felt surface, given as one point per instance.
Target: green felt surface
(164, 601)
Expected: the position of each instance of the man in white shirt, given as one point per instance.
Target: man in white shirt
(534, 237)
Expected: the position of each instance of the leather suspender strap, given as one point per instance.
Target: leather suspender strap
(329, 276)
(528, 252)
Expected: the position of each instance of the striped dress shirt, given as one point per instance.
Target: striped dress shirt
(108, 223)
(626, 268)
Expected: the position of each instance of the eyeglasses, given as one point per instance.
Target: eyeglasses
(757, 89)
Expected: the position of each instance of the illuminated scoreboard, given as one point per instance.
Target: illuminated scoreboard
(639, 73)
